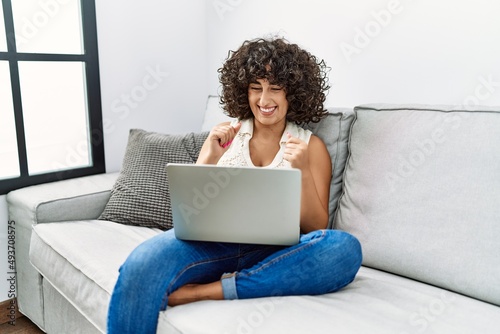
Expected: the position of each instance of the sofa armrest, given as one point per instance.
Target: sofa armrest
(76, 199)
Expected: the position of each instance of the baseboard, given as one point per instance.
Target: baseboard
(9, 312)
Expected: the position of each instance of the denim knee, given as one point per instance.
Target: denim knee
(135, 266)
(145, 258)
(338, 257)
(351, 252)
(351, 245)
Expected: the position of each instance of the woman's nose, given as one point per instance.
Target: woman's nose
(264, 98)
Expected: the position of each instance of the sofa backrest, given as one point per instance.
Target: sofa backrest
(421, 191)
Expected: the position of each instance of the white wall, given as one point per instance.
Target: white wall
(137, 38)
(395, 51)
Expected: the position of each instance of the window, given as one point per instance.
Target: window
(50, 102)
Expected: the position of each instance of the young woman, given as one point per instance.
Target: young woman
(269, 86)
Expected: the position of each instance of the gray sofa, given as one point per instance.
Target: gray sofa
(418, 185)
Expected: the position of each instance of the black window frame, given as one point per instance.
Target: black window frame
(93, 90)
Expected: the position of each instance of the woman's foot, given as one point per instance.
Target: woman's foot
(194, 292)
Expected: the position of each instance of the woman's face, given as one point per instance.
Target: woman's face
(267, 102)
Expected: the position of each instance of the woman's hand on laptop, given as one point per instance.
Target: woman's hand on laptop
(217, 143)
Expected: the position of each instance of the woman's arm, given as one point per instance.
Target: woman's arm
(315, 164)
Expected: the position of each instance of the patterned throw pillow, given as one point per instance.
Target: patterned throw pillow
(140, 195)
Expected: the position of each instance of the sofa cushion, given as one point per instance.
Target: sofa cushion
(376, 303)
(334, 131)
(140, 195)
(421, 193)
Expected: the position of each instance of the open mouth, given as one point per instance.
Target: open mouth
(268, 110)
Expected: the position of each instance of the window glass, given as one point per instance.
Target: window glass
(55, 115)
(48, 26)
(3, 38)
(9, 163)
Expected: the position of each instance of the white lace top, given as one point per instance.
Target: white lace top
(238, 153)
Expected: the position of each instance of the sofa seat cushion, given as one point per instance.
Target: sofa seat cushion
(376, 302)
(81, 260)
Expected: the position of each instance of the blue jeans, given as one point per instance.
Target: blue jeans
(323, 261)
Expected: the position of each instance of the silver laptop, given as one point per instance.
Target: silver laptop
(242, 205)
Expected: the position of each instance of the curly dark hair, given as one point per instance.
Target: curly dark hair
(303, 77)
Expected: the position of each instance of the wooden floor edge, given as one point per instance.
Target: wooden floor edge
(9, 312)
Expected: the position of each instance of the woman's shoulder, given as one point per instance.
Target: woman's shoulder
(316, 141)
(318, 148)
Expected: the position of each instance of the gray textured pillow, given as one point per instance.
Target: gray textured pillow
(140, 195)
